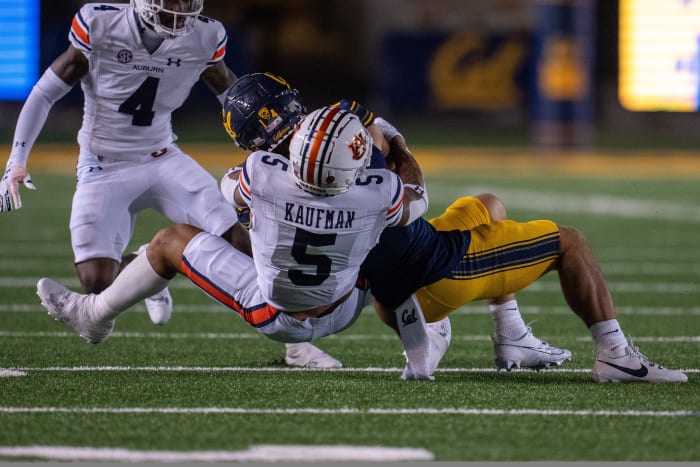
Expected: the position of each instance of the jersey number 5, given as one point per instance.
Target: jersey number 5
(302, 239)
(140, 104)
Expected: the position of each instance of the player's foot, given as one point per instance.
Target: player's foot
(307, 355)
(74, 309)
(632, 366)
(527, 351)
(160, 305)
(440, 334)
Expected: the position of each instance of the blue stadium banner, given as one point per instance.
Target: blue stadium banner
(19, 48)
(463, 70)
(563, 71)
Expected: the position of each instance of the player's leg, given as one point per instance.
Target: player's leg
(185, 193)
(97, 274)
(93, 315)
(586, 292)
(300, 354)
(102, 222)
(514, 343)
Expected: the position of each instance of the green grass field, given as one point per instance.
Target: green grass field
(207, 385)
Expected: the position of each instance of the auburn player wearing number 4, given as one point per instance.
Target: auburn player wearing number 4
(136, 64)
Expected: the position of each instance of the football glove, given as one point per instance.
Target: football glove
(366, 116)
(387, 129)
(9, 187)
(243, 217)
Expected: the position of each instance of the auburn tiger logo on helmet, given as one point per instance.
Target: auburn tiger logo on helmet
(358, 146)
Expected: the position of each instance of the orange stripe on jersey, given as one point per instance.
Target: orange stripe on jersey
(396, 207)
(244, 187)
(254, 316)
(79, 31)
(219, 53)
(318, 140)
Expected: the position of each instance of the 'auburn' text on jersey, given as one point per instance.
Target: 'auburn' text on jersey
(130, 93)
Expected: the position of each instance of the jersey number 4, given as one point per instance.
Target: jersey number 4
(303, 239)
(140, 104)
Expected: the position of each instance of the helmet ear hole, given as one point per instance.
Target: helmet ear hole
(261, 110)
(329, 151)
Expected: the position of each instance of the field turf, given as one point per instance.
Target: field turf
(207, 385)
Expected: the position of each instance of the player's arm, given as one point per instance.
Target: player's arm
(367, 118)
(230, 188)
(219, 78)
(57, 80)
(415, 196)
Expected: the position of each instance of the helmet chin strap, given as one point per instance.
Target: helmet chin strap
(151, 40)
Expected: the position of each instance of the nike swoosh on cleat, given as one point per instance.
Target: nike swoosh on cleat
(639, 372)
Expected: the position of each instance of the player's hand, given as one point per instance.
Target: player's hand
(388, 130)
(243, 217)
(9, 187)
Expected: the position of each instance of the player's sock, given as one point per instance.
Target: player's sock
(508, 320)
(136, 282)
(414, 336)
(608, 336)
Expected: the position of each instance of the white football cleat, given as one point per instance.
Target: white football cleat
(160, 305)
(632, 366)
(527, 351)
(75, 310)
(440, 334)
(307, 355)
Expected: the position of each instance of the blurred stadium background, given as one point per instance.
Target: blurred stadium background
(582, 111)
(540, 73)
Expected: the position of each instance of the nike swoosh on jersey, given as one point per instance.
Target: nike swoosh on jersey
(638, 372)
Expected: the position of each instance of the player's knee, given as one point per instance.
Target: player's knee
(169, 243)
(163, 240)
(494, 205)
(571, 239)
(97, 275)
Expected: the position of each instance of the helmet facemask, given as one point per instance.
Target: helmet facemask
(169, 18)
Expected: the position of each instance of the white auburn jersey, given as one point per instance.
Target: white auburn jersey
(130, 94)
(307, 248)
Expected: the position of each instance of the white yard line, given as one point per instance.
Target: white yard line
(592, 204)
(341, 337)
(350, 411)
(260, 453)
(478, 308)
(242, 369)
(544, 285)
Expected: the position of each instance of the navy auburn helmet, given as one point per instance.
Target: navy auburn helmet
(261, 110)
